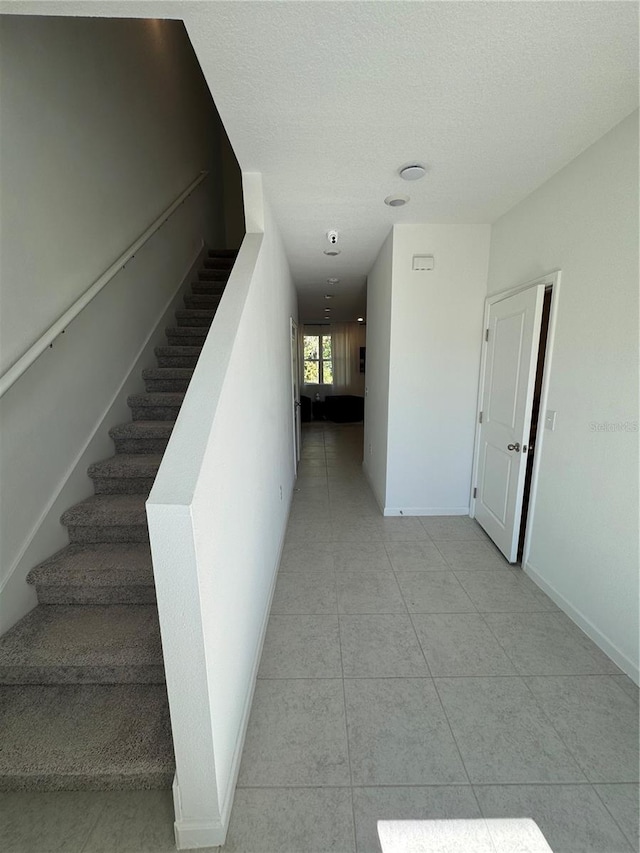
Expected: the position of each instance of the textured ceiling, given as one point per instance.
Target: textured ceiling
(328, 99)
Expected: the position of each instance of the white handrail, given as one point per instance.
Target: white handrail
(25, 361)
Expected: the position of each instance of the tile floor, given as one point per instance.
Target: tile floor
(408, 672)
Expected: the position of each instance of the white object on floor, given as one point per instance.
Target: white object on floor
(519, 835)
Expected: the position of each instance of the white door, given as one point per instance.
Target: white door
(507, 397)
(295, 386)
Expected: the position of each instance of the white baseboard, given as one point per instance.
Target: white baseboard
(425, 510)
(74, 485)
(193, 834)
(585, 624)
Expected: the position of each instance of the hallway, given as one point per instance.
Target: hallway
(409, 672)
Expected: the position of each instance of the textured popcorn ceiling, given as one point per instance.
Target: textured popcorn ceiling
(328, 99)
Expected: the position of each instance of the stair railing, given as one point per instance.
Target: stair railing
(13, 373)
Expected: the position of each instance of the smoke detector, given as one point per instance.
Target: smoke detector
(396, 200)
(412, 172)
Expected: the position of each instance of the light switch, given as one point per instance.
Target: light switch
(550, 420)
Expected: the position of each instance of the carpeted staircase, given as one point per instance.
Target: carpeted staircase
(83, 703)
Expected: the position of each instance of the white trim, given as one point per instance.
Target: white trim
(409, 511)
(585, 624)
(100, 422)
(551, 279)
(36, 349)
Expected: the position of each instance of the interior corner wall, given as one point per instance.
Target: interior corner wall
(104, 122)
(584, 530)
(234, 225)
(435, 346)
(376, 401)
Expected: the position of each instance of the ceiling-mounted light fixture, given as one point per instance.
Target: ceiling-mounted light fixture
(333, 280)
(328, 296)
(360, 319)
(412, 172)
(396, 200)
(332, 252)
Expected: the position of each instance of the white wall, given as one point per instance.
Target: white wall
(584, 546)
(104, 123)
(376, 401)
(217, 516)
(435, 323)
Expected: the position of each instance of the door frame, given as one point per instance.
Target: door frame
(551, 281)
(297, 425)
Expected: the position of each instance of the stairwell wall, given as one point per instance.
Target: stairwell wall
(104, 122)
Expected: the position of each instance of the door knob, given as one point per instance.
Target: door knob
(515, 447)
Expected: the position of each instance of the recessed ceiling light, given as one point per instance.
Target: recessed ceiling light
(332, 252)
(396, 200)
(360, 319)
(327, 310)
(412, 172)
(333, 280)
(328, 296)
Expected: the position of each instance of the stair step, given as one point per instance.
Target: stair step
(167, 378)
(95, 737)
(107, 518)
(223, 253)
(96, 574)
(219, 263)
(156, 406)
(177, 356)
(125, 473)
(141, 436)
(84, 644)
(213, 275)
(195, 316)
(190, 335)
(207, 288)
(202, 300)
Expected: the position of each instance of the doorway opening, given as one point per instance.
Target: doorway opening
(535, 414)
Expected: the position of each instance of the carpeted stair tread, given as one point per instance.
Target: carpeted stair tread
(157, 398)
(126, 465)
(208, 288)
(85, 737)
(177, 350)
(155, 405)
(107, 510)
(195, 313)
(107, 644)
(144, 436)
(202, 301)
(168, 373)
(186, 332)
(96, 565)
(142, 429)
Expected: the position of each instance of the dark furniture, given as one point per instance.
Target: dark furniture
(317, 408)
(344, 408)
(305, 409)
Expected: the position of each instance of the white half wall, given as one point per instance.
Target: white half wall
(376, 400)
(217, 517)
(98, 138)
(584, 531)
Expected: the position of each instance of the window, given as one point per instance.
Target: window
(318, 366)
